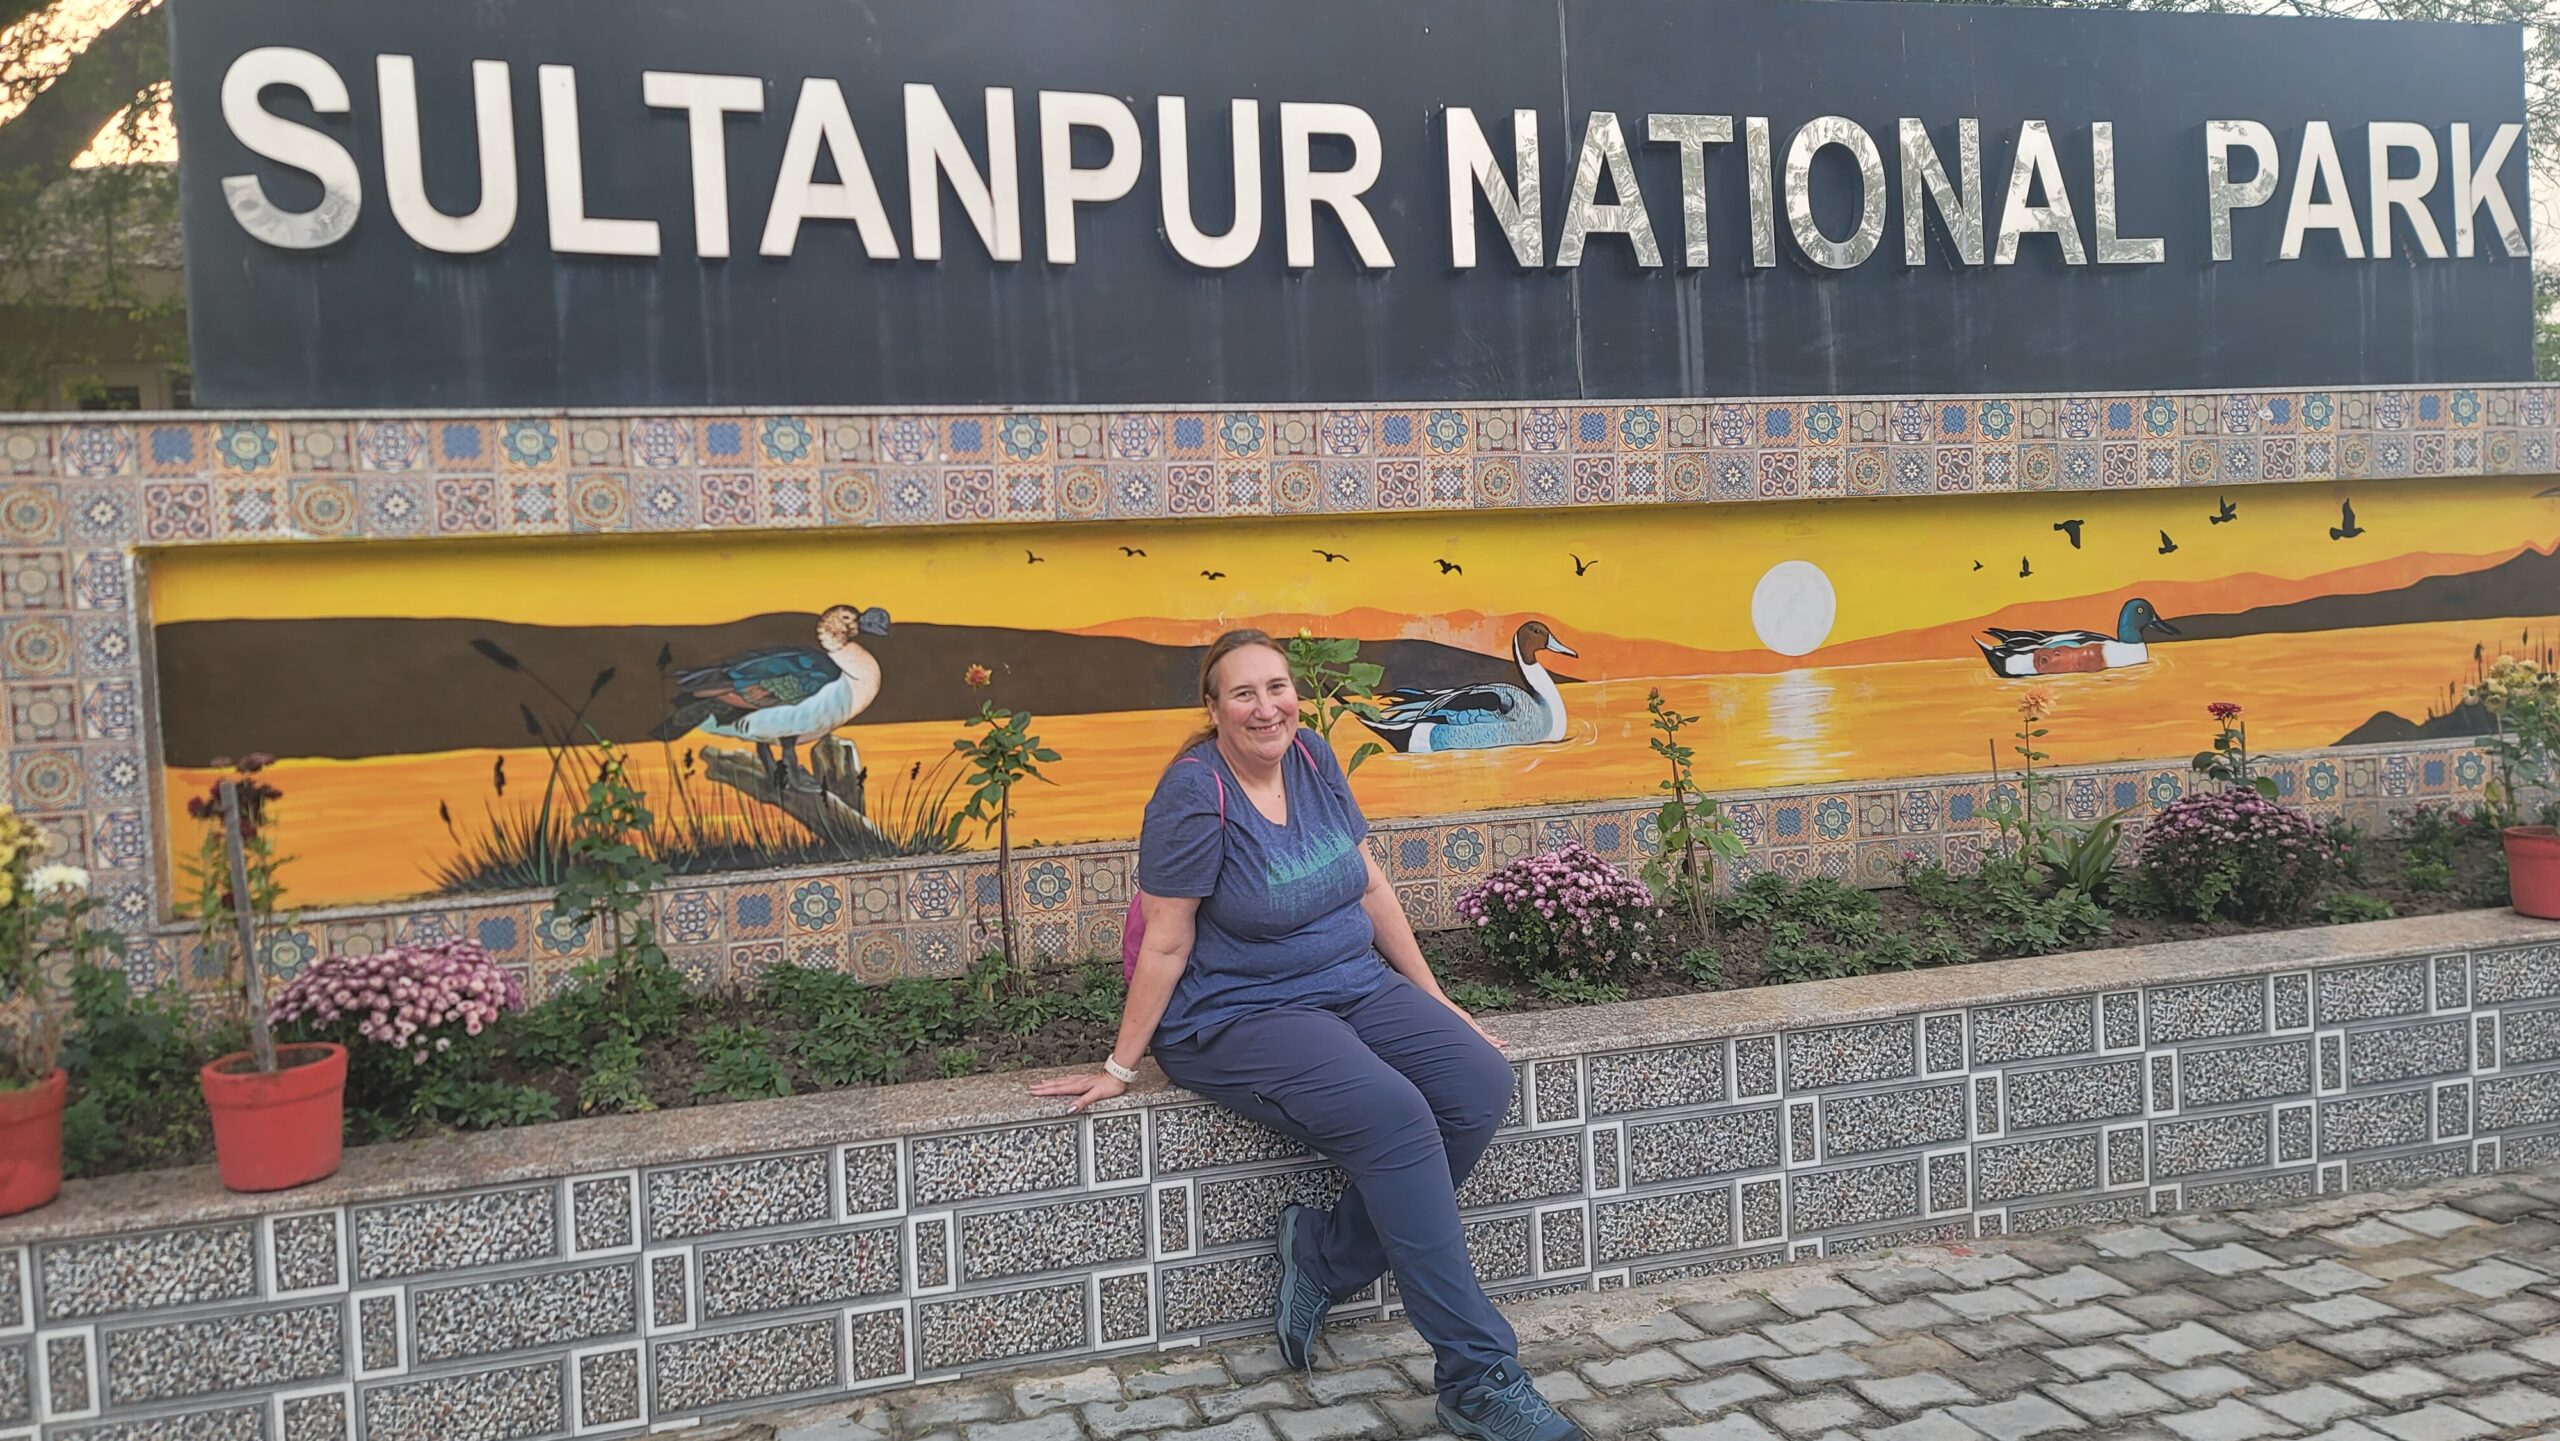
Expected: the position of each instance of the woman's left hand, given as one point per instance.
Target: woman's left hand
(1478, 1026)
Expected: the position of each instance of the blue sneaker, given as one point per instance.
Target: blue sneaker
(1303, 1302)
(1503, 1406)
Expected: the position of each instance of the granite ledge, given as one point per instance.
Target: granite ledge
(155, 1199)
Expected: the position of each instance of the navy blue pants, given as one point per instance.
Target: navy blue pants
(1404, 1096)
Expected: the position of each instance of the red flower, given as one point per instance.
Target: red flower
(2223, 711)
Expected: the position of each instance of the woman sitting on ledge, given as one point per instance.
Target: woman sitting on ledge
(1279, 977)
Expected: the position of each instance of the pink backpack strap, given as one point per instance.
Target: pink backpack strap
(1215, 779)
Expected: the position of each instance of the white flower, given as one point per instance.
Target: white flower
(59, 878)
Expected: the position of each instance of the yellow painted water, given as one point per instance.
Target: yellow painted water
(368, 830)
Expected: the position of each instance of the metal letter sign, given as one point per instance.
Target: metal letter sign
(531, 203)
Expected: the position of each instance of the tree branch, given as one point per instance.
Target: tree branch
(117, 69)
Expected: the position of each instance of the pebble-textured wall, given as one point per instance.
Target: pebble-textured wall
(602, 1303)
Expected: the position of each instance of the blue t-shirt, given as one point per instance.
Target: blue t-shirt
(1280, 920)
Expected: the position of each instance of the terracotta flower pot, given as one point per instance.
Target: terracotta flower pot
(275, 1130)
(31, 1144)
(2533, 871)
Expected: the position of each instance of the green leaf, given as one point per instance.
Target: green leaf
(1366, 750)
(2263, 785)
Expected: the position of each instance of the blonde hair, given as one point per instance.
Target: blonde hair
(1219, 649)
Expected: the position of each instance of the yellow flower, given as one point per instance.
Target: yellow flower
(2036, 703)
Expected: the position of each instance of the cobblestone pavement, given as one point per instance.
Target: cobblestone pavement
(2426, 1315)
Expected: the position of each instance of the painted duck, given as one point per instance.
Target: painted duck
(789, 695)
(2064, 652)
(1481, 717)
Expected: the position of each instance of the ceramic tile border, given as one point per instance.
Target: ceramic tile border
(1969, 1102)
(82, 497)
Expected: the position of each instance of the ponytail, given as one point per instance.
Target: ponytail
(1219, 649)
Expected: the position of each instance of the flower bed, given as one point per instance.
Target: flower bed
(806, 1031)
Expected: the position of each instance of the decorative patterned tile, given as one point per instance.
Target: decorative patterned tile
(879, 1349)
(1119, 1148)
(609, 1388)
(695, 1373)
(1499, 1247)
(1661, 1225)
(833, 1268)
(318, 1416)
(2230, 1075)
(1195, 1138)
(1558, 1088)
(306, 1252)
(517, 1401)
(1210, 1294)
(215, 1423)
(2098, 1213)
(871, 1179)
(1246, 1209)
(2404, 1053)
(2072, 1095)
(600, 1214)
(2016, 1170)
(2207, 1011)
(2034, 1030)
(2370, 993)
(450, 1233)
(1533, 1168)
(1755, 1067)
(2529, 1036)
(1564, 1240)
(1906, 1119)
(2292, 1000)
(1631, 1081)
(2373, 1123)
(1853, 1196)
(2415, 1168)
(2528, 973)
(2512, 1103)
(1851, 1055)
(148, 1271)
(378, 1330)
(1694, 1147)
(1020, 1241)
(1009, 1325)
(736, 1196)
(146, 1365)
(2200, 1145)
(2275, 1190)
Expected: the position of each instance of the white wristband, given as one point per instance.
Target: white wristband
(1118, 1072)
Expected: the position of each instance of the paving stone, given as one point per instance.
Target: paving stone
(1906, 1395)
(2395, 1384)
(1268, 1395)
(2371, 1345)
(1985, 1270)
(1917, 1314)
(2323, 1278)
(1721, 1318)
(1331, 1386)
(2232, 1420)
(2478, 1368)
(2434, 1423)
(2248, 1293)
(2524, 1313)
(1119, 1418)
(2315, 1405)
(1189, 1376)
(2545, 1349)
(947, 1407)
(1094, 1383)
(2203, 1230)
(1816, 1369)
(2008, 1334)
(2497, 1205)
(1252, 1363)
(2395, 1268)
(1900, 1282)
(1561, 1386)
(2017, 1419)
(1564, 1351)
(2136, 1241)
(2369, 1234)
(2143, 1273)
(1369, 1345)
(2229, 1260)
(1929, 1426)
(1820, 1333)
(2200, 1383)
(2514, 1406)
(1990, 1302)
(2262, 1329)
(1723, 1393)
(1906, 1354)
(2458, 1330)
(2344, 1311)
(2291, 1364)
(1812, 1415)
(2431, 1221)
(2113, 1398)
(2349, 1431)
(2492, 1279)
(1243, 1428)
(1054, 1426)
(1329, 1423)
(1726, 1350)
(1812, 1298)
(2003, 1376)
(1637, 1368)
(1651, 1331)
(1728, 1428)
(1412, 1414)
(2087, 1361)
(2070, 1288)
(2169, 1307)
(2085, 1323)
(2190, 1342)
(1625, 1415)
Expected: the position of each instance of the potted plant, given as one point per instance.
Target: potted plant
(279, 1112)
(2524, 699)
(44, 911)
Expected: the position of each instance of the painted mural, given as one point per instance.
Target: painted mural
(791, 698)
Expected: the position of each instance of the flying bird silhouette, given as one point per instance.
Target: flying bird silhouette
(1331, 555)
(2024, 569)
(498, 775)
(1131, 550)
(1977, 565)
(1213, 575)
(2070, 528)
(2547, 492)
(1580, 565)
(2225, 513)
(1036, 558)
(2346, 528)
(2167, 546)
(1448, 567)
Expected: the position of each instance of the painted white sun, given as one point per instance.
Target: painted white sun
(1793, 607)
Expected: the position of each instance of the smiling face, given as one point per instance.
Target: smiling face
(1253, 703)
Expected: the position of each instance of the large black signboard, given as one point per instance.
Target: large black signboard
(802, 202)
